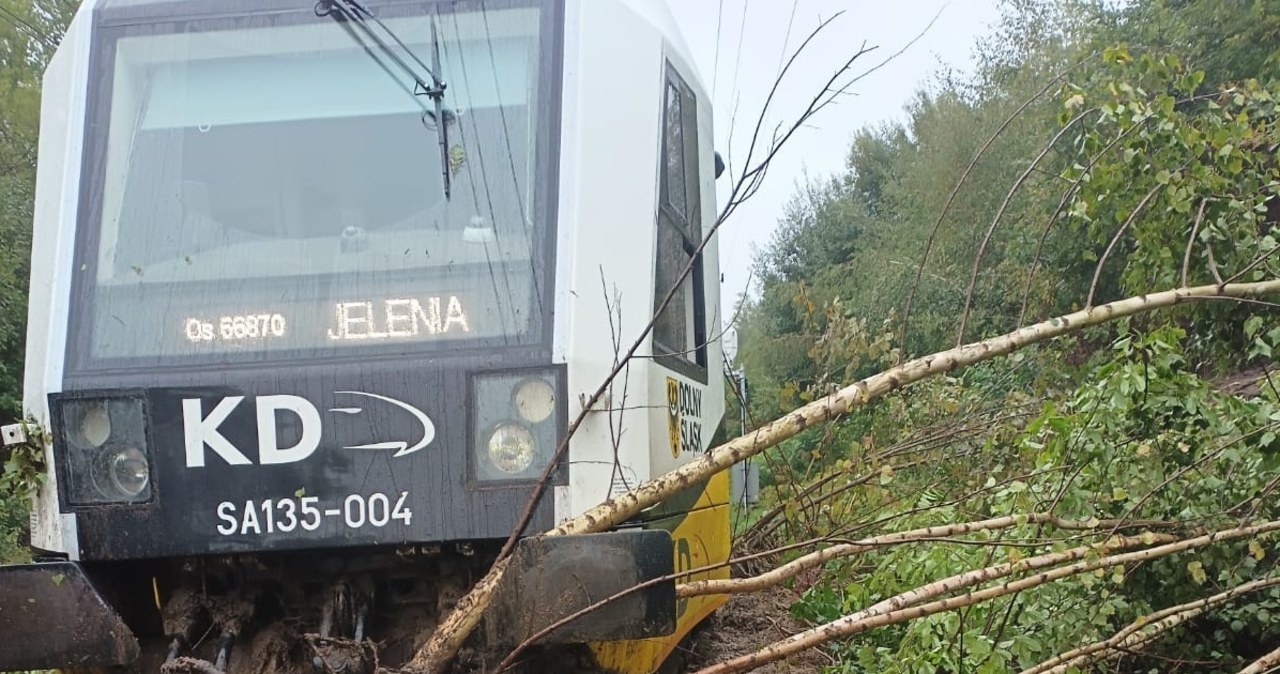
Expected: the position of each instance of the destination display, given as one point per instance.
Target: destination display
(389, 319)
(147, 326)
(406, 318)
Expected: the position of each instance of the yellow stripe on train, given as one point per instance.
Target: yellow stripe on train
(700, 538)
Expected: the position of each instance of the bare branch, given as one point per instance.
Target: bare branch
(1191, 240)
(1263, 257)
(1106, 254)
(941, 437)
(964, 177)
(1213, 265)
(1067, 195)
(1004, 206)
(1241, 300)
(453, 630)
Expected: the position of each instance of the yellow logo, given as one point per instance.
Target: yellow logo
(684, 418)
(673, 416)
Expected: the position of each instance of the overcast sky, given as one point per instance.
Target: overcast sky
(742, 62)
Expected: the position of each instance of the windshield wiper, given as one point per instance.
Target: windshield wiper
(349, 13)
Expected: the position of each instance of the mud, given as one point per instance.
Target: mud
(274, 650)
(1247, 384)
(746, 624)
(344, 655)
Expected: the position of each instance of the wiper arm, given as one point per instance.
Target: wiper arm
(348, 13)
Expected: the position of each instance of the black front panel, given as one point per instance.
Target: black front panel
(308, 458)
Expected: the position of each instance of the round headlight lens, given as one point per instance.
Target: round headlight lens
(511, 448)
(129, 472)
(94, 428)
(535, 400)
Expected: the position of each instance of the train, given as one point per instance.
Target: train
(318, 290)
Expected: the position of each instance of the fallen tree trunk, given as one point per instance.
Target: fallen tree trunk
(882, 615)
(448, 638)
(821, 557)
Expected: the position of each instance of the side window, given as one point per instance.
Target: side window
(679, 336)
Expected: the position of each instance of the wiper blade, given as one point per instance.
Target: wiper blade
(348, 13)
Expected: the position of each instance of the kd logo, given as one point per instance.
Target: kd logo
(203, 430)
(673, 416)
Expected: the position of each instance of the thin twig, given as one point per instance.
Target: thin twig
(1102, 261)
(1191, 240)
(544, 479)
(1248, 268)
(1213, 265)
(964, 177)
(1241, 300)
(995, 221)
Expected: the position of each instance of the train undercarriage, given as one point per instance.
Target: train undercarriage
(354, 612)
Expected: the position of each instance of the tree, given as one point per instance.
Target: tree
(1143, 174)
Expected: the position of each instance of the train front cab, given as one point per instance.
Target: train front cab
(280, 321)
(681, 375)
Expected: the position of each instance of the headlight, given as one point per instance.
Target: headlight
(511, 448)
(129, 472)
(535, 400)
(104, 453)
(90, 426)
(516, 423)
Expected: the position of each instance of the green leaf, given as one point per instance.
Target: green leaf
(1252, 325)
(1255, 549)
(1196, 569)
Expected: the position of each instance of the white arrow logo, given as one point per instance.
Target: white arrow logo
(402, 448)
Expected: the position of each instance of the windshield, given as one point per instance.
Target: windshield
(273, 184)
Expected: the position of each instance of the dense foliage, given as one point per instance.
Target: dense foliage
(1122, 149)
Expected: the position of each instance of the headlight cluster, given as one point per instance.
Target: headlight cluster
(516, 425)
(104, 450)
